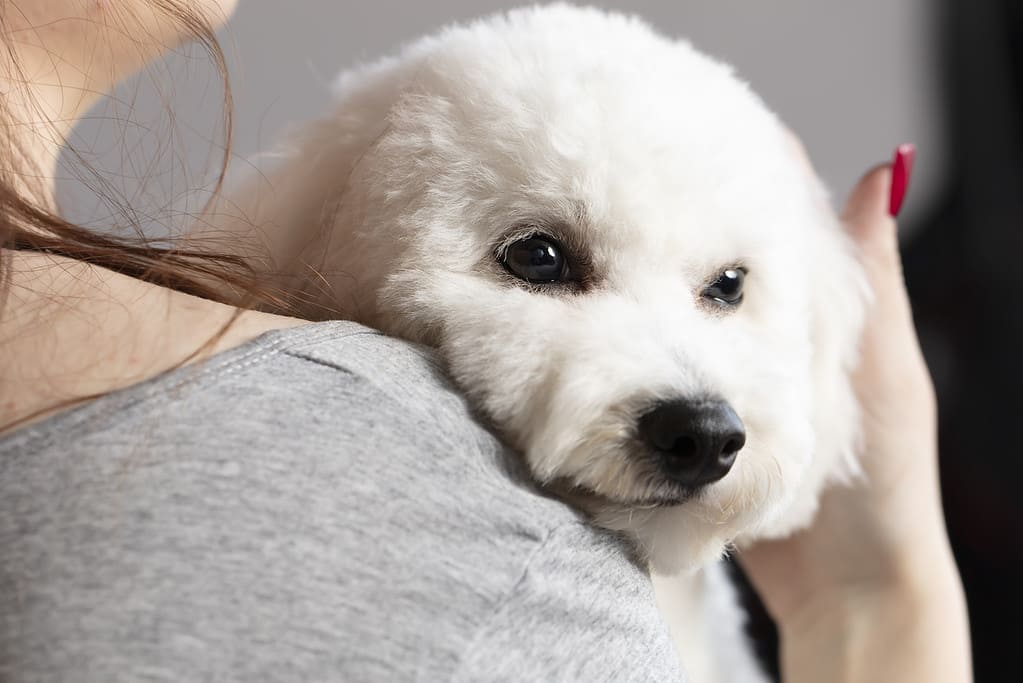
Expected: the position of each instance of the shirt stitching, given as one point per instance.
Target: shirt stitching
(223, 364)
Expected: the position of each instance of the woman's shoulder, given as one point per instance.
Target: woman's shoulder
(323, 480)
(335, 389)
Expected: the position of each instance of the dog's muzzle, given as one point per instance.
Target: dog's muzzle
(694, 442)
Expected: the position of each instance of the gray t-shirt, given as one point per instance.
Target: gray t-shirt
(316, 505)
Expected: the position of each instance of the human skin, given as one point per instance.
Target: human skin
(870, 591)
(69, 329)
(875, 564)
(69, 53)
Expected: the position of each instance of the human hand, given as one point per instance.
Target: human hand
(870, 590)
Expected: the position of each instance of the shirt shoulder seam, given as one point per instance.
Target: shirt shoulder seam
(228, 362)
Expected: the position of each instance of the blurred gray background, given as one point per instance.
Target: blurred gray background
(853, 79)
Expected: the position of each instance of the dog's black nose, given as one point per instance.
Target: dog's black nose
(696, 441)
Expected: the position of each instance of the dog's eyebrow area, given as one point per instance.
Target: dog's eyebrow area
(554, 243)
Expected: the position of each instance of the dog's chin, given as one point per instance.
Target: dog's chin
(669, 535)
(675, 529)
(623, 487)
(667, 495)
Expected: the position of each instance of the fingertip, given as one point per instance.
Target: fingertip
(868, 203)
(867, 220)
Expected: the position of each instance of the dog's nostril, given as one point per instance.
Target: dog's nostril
(683, 448)
(695, 442)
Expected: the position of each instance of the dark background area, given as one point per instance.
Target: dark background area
(965, 280)
(966, 283)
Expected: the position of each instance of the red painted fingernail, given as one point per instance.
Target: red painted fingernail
(902, 169)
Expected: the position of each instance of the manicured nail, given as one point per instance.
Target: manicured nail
(902, 168)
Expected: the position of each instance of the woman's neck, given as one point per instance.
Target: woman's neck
(70, 330)
(46, 90)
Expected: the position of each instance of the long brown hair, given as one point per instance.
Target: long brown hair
(28, 222)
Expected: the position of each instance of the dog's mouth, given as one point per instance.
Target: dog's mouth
(669, 494)
(664, 494)
(658, 501)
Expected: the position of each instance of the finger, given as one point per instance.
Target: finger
(866, 215)
(867, 220)
(889, 337)
(875, 201)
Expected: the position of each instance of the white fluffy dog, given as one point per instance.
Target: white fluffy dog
(619, 255)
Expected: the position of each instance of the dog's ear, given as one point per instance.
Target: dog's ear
(839, 295)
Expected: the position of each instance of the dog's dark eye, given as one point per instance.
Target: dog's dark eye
(536, 260)
(727, 289)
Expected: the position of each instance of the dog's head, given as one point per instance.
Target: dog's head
(623, 262)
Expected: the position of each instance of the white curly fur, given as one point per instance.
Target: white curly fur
(664, 169)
